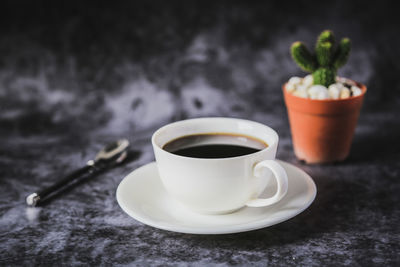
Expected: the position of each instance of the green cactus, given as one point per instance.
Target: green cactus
(326, 61)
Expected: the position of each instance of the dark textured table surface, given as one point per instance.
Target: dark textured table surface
(74, 77)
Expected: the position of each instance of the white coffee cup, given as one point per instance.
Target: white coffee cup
(222, 185)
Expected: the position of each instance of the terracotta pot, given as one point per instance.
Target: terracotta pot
(322, 130)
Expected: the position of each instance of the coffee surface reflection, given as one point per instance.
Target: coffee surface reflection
(214, 145)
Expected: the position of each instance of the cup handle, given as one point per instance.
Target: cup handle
(281, 179)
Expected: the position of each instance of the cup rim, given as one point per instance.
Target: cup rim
(157, 132)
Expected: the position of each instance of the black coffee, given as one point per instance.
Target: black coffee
(211, 146)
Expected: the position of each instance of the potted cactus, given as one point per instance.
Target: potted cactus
(323, 108)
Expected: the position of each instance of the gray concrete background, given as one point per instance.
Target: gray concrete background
(74, 76)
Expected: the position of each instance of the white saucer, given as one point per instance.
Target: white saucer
(142, 196)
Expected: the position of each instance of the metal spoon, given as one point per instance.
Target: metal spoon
(112, 154)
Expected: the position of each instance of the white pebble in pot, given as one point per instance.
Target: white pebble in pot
(294, 80)
(345, 93)
(339, 85)
(290, 87)
(355, 90)
(323, 95)
(318, 92)
(334, 91)
(301, 92)
(308, 80)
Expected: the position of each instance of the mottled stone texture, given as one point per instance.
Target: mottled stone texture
(75, 76)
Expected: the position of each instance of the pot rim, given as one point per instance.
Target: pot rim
(360, 85)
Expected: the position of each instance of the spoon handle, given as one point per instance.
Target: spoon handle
(34, 198)
(111, 155)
